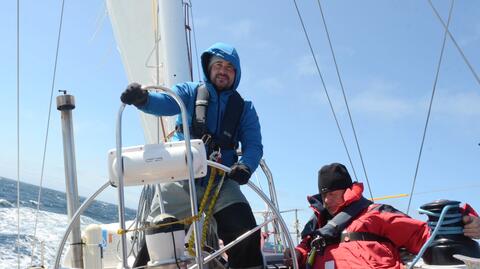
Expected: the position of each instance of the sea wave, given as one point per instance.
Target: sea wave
(50, 229)
(5, 203)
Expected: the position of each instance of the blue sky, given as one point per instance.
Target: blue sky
(387, 53)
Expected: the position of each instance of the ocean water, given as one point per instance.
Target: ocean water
(52, 222)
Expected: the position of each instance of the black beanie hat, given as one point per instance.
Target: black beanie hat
(333, 177)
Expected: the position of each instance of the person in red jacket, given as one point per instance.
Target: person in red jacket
(352, 232)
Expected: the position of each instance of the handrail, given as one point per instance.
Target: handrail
(272, 207)
(273, 197)
(74, 219)
(120, 187)
(193, 197)
(191, 181)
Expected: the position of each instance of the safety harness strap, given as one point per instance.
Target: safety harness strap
(230, 121)
(362, 236)
(199, 121)
(228, 127)
(340, 221)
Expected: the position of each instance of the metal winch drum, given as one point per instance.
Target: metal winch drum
(445, 245)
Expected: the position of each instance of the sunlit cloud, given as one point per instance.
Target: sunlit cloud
(470, 39)
(241, 30)
(458, 104)
(384, 100)
(272, 85)
(381, 99)
(305, 66)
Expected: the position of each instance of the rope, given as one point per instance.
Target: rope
(191, 219)
(210, 208)
(185, 221)
(324, 87)
(477, 78)
(47, 131)
(430, 107)
(345, 98)
(449, 219)
(213, 173)
(438, 229)
(18, 134)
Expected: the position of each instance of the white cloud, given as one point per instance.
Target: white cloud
(241, 30)
(271, 85)
(305, 66)
(463, 104)
(470, 39)
(380, 98)
(385, 100)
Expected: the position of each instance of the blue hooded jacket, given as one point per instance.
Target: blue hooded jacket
(248, 131)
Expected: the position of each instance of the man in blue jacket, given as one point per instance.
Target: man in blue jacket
(229, 121)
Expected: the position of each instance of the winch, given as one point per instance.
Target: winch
(450, 239)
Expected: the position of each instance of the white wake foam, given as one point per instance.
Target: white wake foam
(50, 229)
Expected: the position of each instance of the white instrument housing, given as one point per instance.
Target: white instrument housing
(158, 163)
(166, 247)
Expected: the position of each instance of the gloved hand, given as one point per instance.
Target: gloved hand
(134, 95)
(240, 173)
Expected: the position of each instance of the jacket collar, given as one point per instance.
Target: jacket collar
(351, 195)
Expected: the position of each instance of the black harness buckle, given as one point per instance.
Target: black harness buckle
(318, 242)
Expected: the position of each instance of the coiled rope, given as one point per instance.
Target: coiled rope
(438, 229)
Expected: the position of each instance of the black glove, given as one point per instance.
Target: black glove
(240, 173)
(134, 95)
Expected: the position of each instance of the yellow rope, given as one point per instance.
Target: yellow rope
(210, 208)
(213, 173)
(389, 197)
(191, 219)
(185, 221)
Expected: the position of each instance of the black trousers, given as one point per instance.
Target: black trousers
(232, 222)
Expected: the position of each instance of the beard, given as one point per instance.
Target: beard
(222, 82)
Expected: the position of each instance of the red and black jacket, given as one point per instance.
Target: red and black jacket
(391, 229)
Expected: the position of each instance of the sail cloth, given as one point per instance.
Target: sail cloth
(137, 25)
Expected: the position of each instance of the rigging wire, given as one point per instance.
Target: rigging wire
(345, 97)
(324, 86)
(47, 131)
(430, 106)
(188, 37)
(477, 78)
(102, 14)
(195, 42)
(99, 22)
(18, 134)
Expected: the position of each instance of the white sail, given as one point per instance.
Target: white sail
(136, 26)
